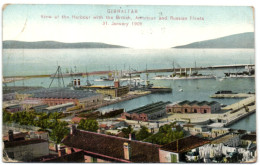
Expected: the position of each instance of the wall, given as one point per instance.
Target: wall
(157, 114)
(55, 101)
(165, 156)
(215, 107)
(90, 101)
(29, 152)
(110, 92)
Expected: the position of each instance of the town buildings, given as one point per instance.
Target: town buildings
(193, 107)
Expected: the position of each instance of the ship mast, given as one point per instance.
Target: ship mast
(58, 73)
(147, 74)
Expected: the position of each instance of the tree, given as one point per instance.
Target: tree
(88, 125)
(58, 133)
(143, 133)
(6, 116)
(127, 131)
(166, 134)
(55, 115)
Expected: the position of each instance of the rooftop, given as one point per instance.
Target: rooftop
(32, 102)
(17, 136)
(150, 108)
(77, 119)
(9, 144)
(59, 106)
(41, 132)
(13, 106)
(13, 89)
(68, 158)
(112, 147)
(201, 126)
(221, 128)
(223, 139)
(184, 144)
(251, 137)
(40, 106)
(64, 93)
(201, 103)
(188, 125)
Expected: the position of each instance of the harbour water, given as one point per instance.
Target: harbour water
(44, 61)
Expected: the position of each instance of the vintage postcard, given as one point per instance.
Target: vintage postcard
(128, 84)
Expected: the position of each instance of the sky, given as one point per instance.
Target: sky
(30, 23)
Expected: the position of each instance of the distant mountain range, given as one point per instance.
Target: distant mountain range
(242, 40)
(10, 44)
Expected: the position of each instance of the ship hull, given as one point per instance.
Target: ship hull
(185, 78)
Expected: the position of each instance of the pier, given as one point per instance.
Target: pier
(235, 95)
(238, 111)
(240, 115)
(240, 104)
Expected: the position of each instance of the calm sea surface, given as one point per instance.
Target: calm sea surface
(45, 61)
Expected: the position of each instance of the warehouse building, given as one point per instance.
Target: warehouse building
(28, 104)
(57, 96)
(13, 108)
(39, 108)
(57, 108)
(11, 92)
(112, 91)
(193, 107)
(148, 112)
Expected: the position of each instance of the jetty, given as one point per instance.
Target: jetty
(240, 104)
(233, 95)
(236, 112)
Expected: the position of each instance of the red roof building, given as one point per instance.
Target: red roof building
(105, 148)
(193, 107)
(76, 120)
